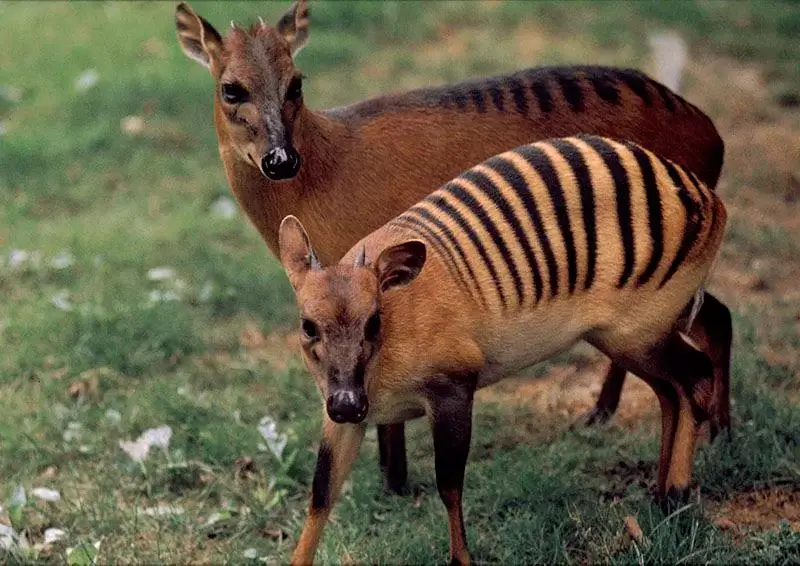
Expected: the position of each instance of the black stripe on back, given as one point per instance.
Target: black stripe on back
(415, 225)
(517, 90)
(496, 93)
(654, 219)
(623, 191)
(638, 84)
(460, 193)
(666, 96)
(492, 192)
(571, 88)
(698, 185)
(526, 195)
(517, 183)
(445, 230)
(605, 87)
(692, 226)
(704, 197)
(576, 161)
(478, 99)
(445, 207)
(540, 161)
(543, 97)
(456, 96)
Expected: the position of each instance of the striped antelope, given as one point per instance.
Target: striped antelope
(346, 171)
(580, 238)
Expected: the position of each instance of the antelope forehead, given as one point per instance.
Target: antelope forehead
(258, 58)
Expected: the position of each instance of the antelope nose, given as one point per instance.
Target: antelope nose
(280, 163)
(347, 406)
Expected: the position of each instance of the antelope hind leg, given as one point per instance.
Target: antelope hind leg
(712, 330)
(608, 400)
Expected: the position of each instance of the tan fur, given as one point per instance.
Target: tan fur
(434, 326)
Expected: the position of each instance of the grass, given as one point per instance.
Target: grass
(89, 355)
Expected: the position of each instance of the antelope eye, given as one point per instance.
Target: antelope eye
(295, 89)
(309, 329)
(234, 93)
(373, 327)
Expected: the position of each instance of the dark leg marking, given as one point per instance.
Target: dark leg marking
(623, 190)
(321, 486)
(392, 457)
(451, 408)
(576, 161)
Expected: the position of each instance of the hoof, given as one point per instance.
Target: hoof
(459, 561)
(395, 487)
(675, 499)
(720, 425)
(596, 417)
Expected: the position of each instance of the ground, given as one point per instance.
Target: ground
(136, 296)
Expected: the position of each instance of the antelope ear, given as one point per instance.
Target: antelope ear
(198, 38)
(294, 24)
(400, 264)
(297, 256)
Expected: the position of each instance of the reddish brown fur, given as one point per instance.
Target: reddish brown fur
(367, 162)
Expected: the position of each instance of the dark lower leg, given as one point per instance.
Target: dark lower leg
(392, 456)
(338, 450)
(608, 401)
(717, 327)
(451, 421)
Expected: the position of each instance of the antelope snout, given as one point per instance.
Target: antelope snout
(280, 163)
(347, 406)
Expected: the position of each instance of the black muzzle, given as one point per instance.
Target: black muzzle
(280, 163)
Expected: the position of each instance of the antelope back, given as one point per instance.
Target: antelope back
(344, 172)
(565, 217)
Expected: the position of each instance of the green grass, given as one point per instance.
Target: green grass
(121, 205)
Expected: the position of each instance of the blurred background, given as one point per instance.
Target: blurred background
(152, 407)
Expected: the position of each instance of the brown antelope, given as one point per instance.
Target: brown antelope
(346, 171)
(518, 258)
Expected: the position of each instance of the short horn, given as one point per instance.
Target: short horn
(361, 259)
(313, 261)
(263, 24)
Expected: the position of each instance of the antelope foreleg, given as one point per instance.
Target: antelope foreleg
(337, 451)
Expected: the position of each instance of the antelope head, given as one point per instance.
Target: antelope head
(340, 313)
(258, 87)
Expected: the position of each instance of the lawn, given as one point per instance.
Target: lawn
(135, 295)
